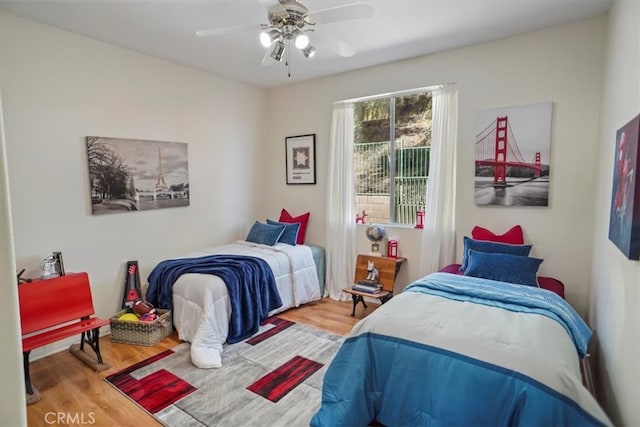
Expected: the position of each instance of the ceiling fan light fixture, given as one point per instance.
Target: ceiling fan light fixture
(302, 41)
(309, 51)
(267, 37)
(278, 50)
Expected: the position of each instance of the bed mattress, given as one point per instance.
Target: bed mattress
(201, 302)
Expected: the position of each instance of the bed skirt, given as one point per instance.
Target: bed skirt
(319, 258)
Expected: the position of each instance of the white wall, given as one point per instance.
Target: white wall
(615, 296)
(59, 88)
(12, 405)
(561, 64)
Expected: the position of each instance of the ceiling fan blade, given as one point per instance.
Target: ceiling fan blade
(346, 12)
(226, 30)
(333, 44)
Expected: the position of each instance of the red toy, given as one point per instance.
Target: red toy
(148, 317)
(131, 285)
(392, 249)
(360, 219)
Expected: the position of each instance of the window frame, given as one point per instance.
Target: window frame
(391, 161)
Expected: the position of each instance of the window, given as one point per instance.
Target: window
(391, 178)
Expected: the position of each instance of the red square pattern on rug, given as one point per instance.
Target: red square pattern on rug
(278, 326)
(158, 390)
(154, 392)
(276, 384)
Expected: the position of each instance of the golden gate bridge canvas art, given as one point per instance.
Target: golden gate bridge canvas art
(136, 175)
(512, 148)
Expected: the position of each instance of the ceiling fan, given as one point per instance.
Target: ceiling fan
(289, 21)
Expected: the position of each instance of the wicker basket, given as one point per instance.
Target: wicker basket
(141, 333)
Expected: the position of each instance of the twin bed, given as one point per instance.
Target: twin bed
(485, 343)
(459, 350)
(201, 302)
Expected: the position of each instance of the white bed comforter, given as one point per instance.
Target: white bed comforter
(201, 302)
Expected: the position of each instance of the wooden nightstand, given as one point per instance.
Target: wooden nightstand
(388, 269)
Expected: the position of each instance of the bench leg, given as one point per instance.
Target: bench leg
(96, 344)
(27, 378)
(385, 299)
(356, 299)
(355, 303)
(92, 338)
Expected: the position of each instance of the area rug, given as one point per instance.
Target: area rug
(272, 379)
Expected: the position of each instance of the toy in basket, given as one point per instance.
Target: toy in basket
(146, 325)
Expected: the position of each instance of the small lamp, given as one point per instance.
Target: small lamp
(420, 219)
(278, 50)
(309, 51)
(268, 37)
(301, 40)
(392, 249)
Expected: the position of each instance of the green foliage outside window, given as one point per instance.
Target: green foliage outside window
(411, 133)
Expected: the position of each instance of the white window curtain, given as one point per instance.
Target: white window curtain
(439, 233)
(341, 227)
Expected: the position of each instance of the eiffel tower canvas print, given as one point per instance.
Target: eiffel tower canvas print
(133, 175)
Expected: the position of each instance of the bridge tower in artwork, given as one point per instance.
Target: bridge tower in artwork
(160, 184)
(537, 166)
(500, 169)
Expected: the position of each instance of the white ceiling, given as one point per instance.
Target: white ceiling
(399, 29)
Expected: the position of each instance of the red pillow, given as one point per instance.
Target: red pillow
(514, 236)
(302, 219)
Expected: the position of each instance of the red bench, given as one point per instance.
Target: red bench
(55, 309)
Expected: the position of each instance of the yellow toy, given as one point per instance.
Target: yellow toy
(129, 317)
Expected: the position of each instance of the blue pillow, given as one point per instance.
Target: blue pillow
(265, 234)
(517, 269)
(493, 247)
(290, 234)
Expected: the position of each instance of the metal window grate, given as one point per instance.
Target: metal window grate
(373, 181)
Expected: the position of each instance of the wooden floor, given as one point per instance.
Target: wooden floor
(80, 396)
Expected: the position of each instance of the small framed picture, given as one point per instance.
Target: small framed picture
(301, 159)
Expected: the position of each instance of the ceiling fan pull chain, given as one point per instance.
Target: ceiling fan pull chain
(289, 58)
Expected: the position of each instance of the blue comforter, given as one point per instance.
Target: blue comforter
(252, 288)
(392, 370)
